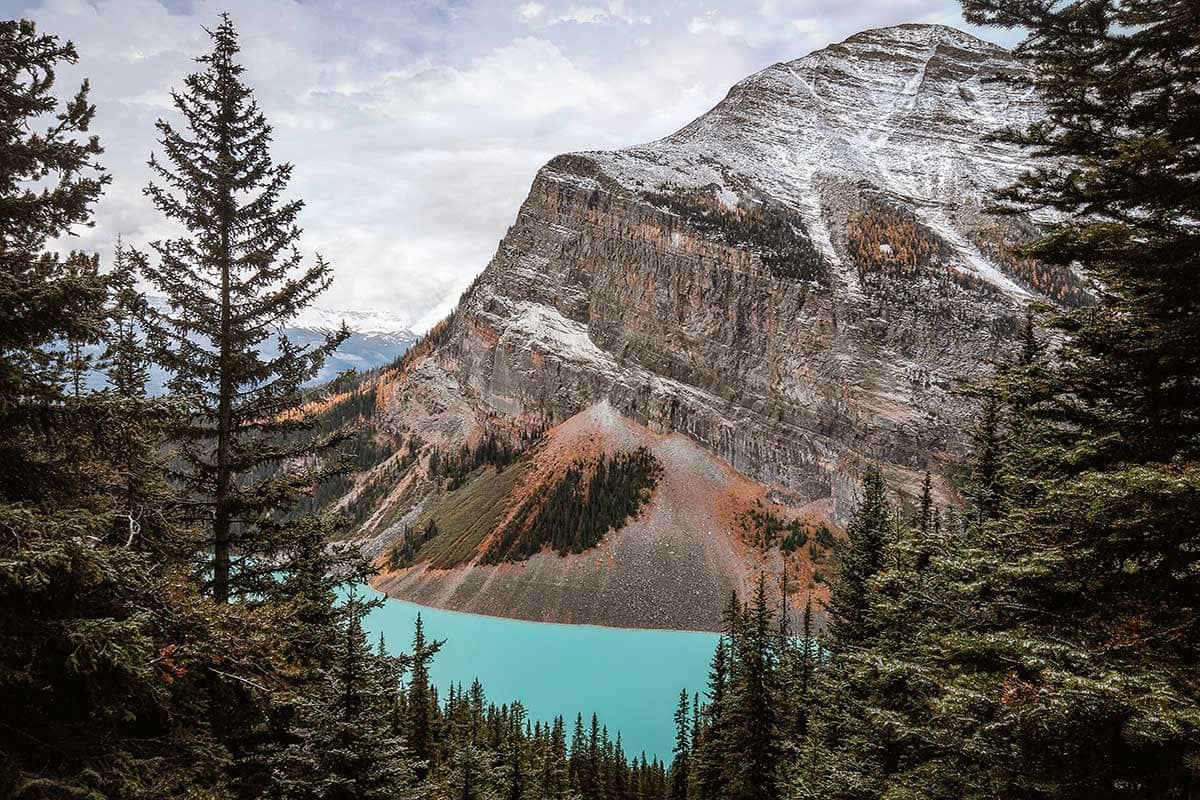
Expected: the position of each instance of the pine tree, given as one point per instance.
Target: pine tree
(80, 362)
(860, 558)
(394, 669)
(48, 183)
(101, 642)
(578, 761)
(343, 746)
(230, 285)
(1087, 620)
(305, 598)
(986, 486)
(126, 359)
(618, 783)
(856, 691)
(136, 425)
(808, 663)
(697, 726)
(1050, 651)
(926, 527)
(752, 705)
(925, 514)
(793, 674)
(1030, 347)
(552, 777)
(592, 782)
(471, 773)
(514, 768)
(709, 763)
(421, 703)
(680, 767)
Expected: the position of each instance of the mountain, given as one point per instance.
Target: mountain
(377, 338)
(794, 285)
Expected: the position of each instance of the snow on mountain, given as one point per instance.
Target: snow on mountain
(377, 338)
(905, 109)
(796, 284)
(367, 321)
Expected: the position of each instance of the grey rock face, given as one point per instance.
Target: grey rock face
(707, 283)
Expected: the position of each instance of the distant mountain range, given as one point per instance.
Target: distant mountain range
(376, 338)
(792, 286)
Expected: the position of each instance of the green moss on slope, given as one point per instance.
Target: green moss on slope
(467, 514)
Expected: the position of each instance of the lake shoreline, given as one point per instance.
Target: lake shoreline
(701, 631)
(629, 677)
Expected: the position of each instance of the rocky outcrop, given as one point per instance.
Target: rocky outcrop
(793, 281)
(674, 566)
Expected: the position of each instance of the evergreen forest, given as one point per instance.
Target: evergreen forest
(178, 617)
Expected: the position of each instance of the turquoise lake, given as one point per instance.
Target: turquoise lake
(630, 678)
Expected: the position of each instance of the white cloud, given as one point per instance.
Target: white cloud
(528, 12)
(619, 11)
(703, 22)
(613, 11)
(584, 15)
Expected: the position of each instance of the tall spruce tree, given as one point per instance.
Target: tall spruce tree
(136, 424)
(680, 766)
(341, 744)
(552, 775)
(49, 180)
(577, 766)
(1051, 651)
(591, 784)
(752, 739)
(985, 488)
(868, 693)
(421, 703)
(80, 360)
(860, 558)
(808, 663)
(471, 773)
(926, 526)
(230, 285)
(926, 509)
(709, 748)
(513, 771)
(791, 711)
(100, 640)
(126, 359)
(1091, 660)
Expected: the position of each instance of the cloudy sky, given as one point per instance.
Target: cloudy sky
(415, 126)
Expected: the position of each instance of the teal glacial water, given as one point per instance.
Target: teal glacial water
(630, 678)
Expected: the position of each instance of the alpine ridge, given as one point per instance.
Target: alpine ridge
(795, 284)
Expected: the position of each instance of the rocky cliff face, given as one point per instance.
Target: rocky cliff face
(797, 282)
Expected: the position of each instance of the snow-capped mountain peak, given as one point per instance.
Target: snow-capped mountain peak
(798, 282)
(368, 321)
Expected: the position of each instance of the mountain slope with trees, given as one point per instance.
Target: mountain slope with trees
(169, 621)
(169, 614)
(803, 281)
